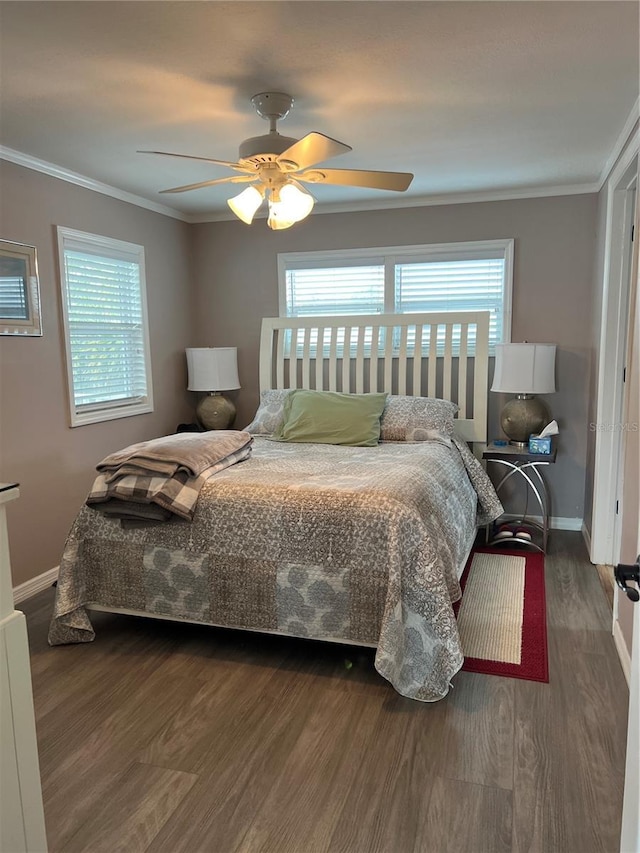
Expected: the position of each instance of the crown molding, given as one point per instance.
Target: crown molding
(478, 196)
(621, 141)
(70, 177)
(424, 201)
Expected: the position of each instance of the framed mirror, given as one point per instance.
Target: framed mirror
(19, 290)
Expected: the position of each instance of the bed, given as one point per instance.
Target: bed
(351, 544)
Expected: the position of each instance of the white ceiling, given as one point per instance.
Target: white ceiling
(470, 96)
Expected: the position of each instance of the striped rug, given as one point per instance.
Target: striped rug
(502, 615)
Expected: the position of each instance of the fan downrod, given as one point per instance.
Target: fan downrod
(261, 150)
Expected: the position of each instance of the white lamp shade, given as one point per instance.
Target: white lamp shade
(525, 369)
(246, 204)
(276, 219)
(289, 205)
(297, 201)
(212, 368)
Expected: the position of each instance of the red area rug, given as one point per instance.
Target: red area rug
(502, 614)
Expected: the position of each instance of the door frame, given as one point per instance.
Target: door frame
(605, 528)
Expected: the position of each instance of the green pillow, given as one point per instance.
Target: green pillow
(327, 417)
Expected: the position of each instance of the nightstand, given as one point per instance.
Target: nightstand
(526, 466)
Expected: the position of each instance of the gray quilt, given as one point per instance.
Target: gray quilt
(340, 543)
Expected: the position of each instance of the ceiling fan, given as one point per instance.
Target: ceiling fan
(277, 165)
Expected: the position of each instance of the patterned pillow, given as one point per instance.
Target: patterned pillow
(416, 418)
(270, 415)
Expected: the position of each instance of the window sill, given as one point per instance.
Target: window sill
(112, 414)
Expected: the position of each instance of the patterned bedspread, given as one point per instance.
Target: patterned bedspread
(362, 544)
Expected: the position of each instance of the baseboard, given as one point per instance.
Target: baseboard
(556, 522)
(586, 535)
(623, 651)
(35, 585)
(562, 523)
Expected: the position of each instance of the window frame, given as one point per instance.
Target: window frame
(105, 410)
(389, 256)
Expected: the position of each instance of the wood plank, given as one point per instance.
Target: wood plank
(463, 366)
(447, 364)
(333, 354)
(465, 818)
(293, 360)
(360, 360)
(416, 387)
(402, 362)
(186, 737)
(432, 390)
(244, 762)
(346, 361)
(605, 573)
(315, 779)
(79, 762)
(477, 736)
(568, 769)
(133, 810)
(384, 807)
(319, 380)
(373, 359)
(124, 654)
(388, 360)
(306, 358)
(280, 359)
(576, 606)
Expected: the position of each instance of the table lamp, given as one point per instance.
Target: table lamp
(524, 370)
(213, 369)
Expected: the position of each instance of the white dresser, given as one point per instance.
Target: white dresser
(22, 827)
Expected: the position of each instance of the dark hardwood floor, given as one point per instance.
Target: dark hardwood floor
(163, 737)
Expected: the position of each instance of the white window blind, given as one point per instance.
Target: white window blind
(444, 277)
(106, 329)
(318, 291)
(455, 285)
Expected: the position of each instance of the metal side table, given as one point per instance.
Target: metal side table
(528, 466)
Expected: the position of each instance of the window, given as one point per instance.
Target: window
(403, 279)
(105, 324)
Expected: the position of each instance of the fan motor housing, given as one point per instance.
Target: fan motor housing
(264, 149)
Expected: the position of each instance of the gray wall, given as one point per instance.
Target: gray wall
(211, 284)
(236, 285)
(53, 463)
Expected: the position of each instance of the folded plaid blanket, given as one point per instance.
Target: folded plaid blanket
(124, 494)
(187, 451)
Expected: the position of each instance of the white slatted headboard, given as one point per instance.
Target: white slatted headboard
(383, 356)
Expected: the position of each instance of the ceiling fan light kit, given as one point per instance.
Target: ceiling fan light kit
(288, 205)
(245, 205)
(274, 164)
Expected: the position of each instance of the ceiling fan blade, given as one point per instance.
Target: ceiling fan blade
(398, 181)
(237, 166)
(311, 149)
(234, 179)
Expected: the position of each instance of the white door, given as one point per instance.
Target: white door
(629, 551)
(630, 836)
